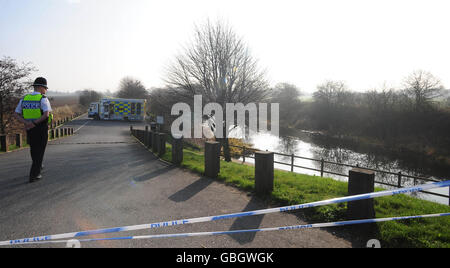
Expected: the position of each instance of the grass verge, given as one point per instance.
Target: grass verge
(292, 188)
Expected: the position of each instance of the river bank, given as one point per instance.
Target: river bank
(292, 188)
(424, 163)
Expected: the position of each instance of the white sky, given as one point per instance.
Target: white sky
(78, 44)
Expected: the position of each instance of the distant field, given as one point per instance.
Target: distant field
(57, 101)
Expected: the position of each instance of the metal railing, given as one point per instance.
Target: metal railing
(247, 153)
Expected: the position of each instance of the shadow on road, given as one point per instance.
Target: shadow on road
(191, 190)
(153, 174)
(245, 223)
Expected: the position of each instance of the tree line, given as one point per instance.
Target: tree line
(416, 115)
(217, 64)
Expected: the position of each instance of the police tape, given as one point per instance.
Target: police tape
(229, 216)
(285, 228)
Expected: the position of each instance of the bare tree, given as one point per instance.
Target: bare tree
(331, 93)
(288, 96)
(88, 96)
(132, 89)
(422, 87)
(218, 66)
(12, 86)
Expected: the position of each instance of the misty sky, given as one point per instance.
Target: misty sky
(79, 44)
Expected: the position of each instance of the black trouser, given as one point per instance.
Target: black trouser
(37, 137)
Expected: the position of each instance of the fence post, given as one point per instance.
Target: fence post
(264, 172)
(177, 150)
(149, 139)
(4, 143)
(161, 144)
(292, 163)
(145, 142)
(212, 159)
(243, 154)
(399, 179)
(321, 167)
(154, 142)
(19, 142)
(361, 181)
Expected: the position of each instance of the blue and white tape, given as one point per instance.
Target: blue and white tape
(228, 216)
(284, 228)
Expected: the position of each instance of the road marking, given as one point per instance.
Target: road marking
(81, 126)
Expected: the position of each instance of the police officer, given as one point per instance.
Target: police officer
(34, 111)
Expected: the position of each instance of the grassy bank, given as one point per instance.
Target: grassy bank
(291, 188)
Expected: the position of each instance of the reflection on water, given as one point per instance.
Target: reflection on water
(316, 146)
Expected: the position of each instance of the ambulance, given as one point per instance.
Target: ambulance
(118, 109)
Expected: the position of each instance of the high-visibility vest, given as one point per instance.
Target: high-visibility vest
(31, 107)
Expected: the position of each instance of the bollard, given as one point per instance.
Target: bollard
(161, 144)
(146, 133)
(212, 159)
(141, 135)
(71, 131)
(19, 142)
(177, 150)
(4, 143)
(361, 181)
(264, 173)
(131, 129)
(52, 134)
(65, 132)
(61, 132)
(56, 133)
(154, 142)
(149, 140)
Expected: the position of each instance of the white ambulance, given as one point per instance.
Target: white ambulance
(118, 109)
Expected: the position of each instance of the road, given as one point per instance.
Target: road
(101, 177)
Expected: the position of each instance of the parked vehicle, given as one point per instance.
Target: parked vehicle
(118, 109)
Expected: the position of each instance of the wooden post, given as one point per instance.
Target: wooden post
(243, 154)
(264, 172)
(4, 143)
(212, 159)
(19, 142)
(149, 139)
(161, 144)
(154, 142)
(146, 133)
(361, 181)
(177, 150)
(400, 179)
(321, 167)
(292, 163)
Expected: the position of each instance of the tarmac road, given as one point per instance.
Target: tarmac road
(101, 177)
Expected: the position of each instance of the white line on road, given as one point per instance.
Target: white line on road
(81, 126)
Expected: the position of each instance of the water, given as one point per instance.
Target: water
(317, 146)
